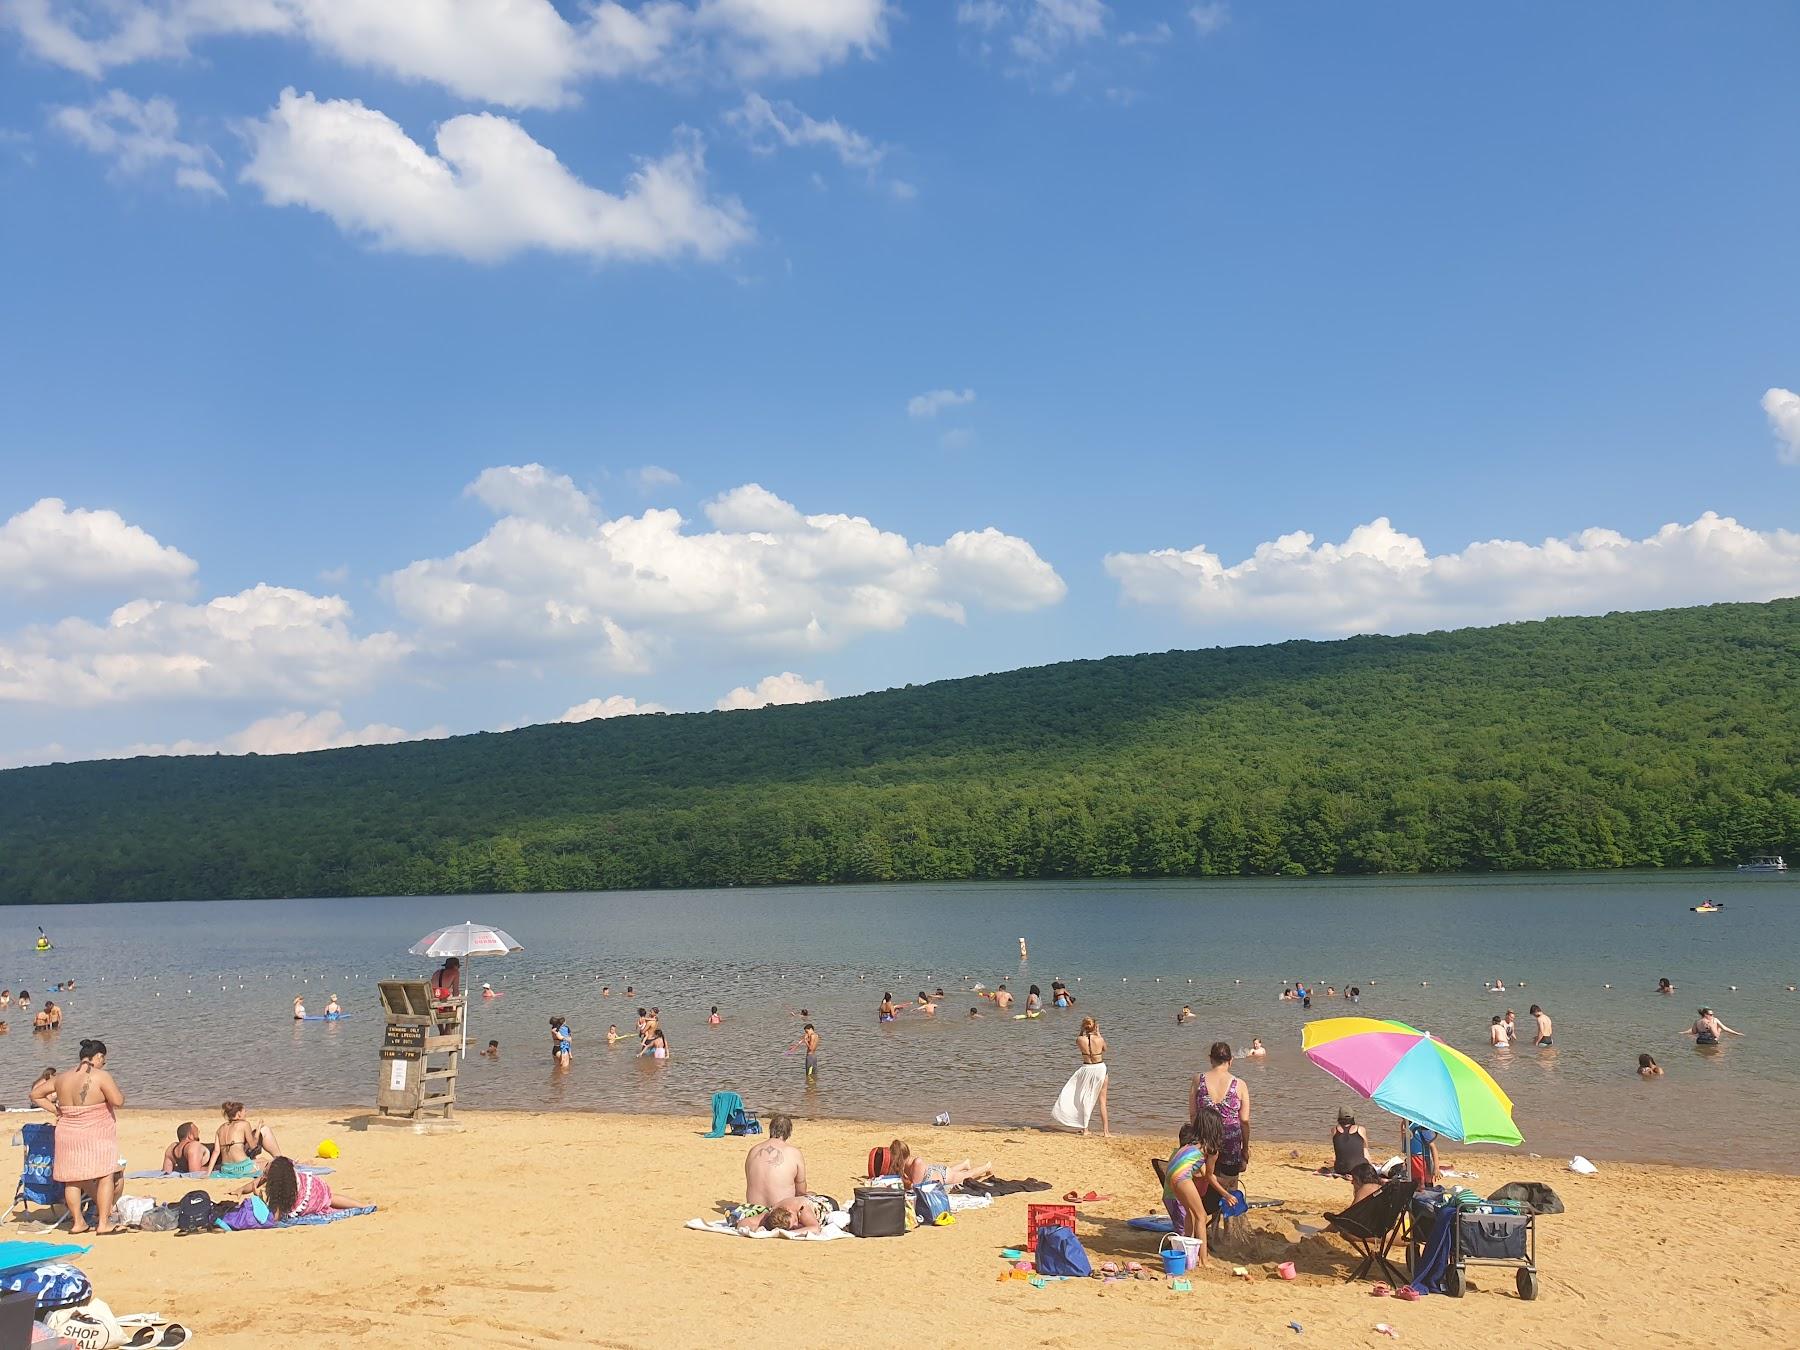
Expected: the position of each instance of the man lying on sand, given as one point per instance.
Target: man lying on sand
(796, 1214)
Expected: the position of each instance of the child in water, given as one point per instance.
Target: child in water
(492, 1051)
(1648, 1067)
(562, 1043)
(714, 1019)
(612, 1034)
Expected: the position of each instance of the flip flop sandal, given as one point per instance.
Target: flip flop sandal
(174, 1334)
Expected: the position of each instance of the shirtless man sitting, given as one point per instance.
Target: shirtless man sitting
(774, 1169)
(187, 1153)
(242, 1146)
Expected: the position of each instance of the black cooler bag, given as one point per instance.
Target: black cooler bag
(1492, 1237)
(878, 1211)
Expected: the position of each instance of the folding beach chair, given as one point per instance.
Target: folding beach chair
(1373, 1224)
(35, 1185)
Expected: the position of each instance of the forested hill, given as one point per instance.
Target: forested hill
(1661, 739)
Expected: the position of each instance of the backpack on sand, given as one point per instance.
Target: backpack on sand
(193, 1213)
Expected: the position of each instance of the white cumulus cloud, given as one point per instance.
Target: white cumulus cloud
(934, 401)
(286, 733)
(488, 193)
(786, 687)
(1783, 408)
(531, 490)
(49, 547)
(613, 705)
(619, 592)
(517, 53)
(268, 642)
(138, 135)
(1384, 581)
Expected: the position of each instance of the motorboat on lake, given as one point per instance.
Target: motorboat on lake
(1767, 862)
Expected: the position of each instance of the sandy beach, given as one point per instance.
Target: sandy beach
(543, 1229)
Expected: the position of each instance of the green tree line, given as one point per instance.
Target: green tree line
(1662, 739)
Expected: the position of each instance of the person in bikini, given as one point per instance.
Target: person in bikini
(913, 1170)
(239, 1144)
(887, 1012)
(187, 1153)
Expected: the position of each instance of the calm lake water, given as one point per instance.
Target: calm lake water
(194, 1000)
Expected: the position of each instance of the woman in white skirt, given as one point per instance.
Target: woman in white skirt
(1086, 1088)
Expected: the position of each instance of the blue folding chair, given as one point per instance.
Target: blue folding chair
(36, 1186)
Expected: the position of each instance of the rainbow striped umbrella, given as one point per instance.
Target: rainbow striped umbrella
(1405, 1071)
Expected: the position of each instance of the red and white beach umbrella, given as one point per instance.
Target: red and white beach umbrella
(464, 940)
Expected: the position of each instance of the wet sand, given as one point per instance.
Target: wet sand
(531, 1229)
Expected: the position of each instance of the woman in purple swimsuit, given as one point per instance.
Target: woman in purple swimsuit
(1229, 1095)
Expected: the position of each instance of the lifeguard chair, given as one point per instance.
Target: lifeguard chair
(421, 1050)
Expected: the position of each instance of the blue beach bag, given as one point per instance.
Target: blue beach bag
(931, 1200)
(741, 1121)
(1059, 1252)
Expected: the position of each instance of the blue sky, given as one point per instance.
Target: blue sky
(343, 354)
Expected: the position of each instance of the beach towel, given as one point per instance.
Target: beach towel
(724, 1103)
(87, 1143)
(24, 1255)
(314, 1220)
(1076, 1104)
(202, 1176)
(837, 1225)
(959, 1202)
(1434, 1259)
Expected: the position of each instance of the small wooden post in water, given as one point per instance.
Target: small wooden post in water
(421, 1051)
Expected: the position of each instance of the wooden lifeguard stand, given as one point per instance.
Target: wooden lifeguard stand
(421, 1051)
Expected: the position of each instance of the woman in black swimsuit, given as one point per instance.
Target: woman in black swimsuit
(1349, 1145)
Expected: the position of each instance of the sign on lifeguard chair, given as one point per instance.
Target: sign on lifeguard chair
(420, 1050)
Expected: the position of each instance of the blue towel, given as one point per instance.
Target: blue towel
(205, 1176)
(314, 1220)
(20, 1255)
(1434, 1261)
(724, 1103)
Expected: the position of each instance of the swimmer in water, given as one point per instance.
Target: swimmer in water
(492, 1051)
(1003, 998)
(333, 1008)
(657, 1047)
(487, 991)
(1708, 1028)
(974, 1012)
(614, 1035)
(1257, 1049)
(926, 1006)
(299, 1009)
(1186, 1014)
(1664, 987)
(713, 1019)
(606, 991)
(1648, 1067)
(809, 1039)
(887, 1012)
